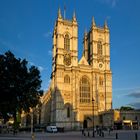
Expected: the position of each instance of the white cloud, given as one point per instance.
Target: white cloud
(39, 67)
(31, 63)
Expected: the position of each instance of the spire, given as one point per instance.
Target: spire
(93, 22)
(85, 33)
(74, 16)
(105, 25)
(64, 11)
(59, 13)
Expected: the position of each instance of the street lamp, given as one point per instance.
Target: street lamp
(32, 124)
(93, 117)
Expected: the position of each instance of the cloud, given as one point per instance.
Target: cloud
(126, 89)
(112, 3)
(135, 105)
(134, 94)
(31, 63)
(39, 67)
(48, 34)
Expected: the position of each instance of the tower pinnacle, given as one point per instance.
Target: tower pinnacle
(93, 22)
(105, 25)
(85, 33)
(59, 13)
(74, 16)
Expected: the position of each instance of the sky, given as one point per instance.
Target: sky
(26, 28)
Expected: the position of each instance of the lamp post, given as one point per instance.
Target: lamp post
(93, 117)
(32, 123)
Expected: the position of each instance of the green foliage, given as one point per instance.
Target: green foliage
(126, 108)
(19, 85)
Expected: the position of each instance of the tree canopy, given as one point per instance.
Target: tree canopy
(19, 85)
(126, 108)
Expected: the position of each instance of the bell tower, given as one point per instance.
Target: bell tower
(97, 46)
(97, 52)
(65, 42)
(101, 47)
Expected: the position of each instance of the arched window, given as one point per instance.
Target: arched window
(99, 48)
(101, 82)
(68, 112)
(67, 42)
(67, 79)
(84, 90)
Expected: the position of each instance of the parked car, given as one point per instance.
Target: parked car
(52, 129)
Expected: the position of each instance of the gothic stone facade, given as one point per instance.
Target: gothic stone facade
(79, 89)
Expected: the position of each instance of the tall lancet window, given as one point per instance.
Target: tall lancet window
(67, 42)
(67, 79)
(84, 90)
(99, 48)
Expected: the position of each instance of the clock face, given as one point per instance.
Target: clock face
(100, 65)
(67, 59)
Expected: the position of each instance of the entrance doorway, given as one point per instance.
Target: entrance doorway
(85, 124)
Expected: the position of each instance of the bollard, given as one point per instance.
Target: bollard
(33, 136)
(102, 134)
(88, 133)
(116, 135)
(93, 134)
(82, 131)
(136, 136)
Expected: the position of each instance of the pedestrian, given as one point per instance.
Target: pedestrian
(82, 131)
(109, 130)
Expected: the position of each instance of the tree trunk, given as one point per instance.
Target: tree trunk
(15, 126)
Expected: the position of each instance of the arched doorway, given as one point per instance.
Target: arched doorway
(85, 124)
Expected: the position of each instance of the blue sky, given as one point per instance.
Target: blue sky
(26, 28)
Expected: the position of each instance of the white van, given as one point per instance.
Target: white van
(52, 129)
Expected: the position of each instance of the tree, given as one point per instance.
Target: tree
(126, 108)
(19, 85)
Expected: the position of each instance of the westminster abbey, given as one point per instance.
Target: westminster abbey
(80, 89)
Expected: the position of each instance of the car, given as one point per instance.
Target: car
(52, 129)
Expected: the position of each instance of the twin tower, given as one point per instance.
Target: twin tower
(81, 88)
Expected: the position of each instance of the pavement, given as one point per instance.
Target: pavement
(73, 135)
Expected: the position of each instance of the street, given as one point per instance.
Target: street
(122, 135)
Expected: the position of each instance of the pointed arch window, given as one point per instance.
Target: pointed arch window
(84, 90)
(67, 79)
(67, 42)
(101, 82)
(68, 112)
(99, 48)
